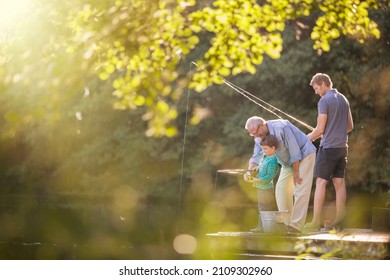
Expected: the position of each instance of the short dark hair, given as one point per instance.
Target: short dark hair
(270, 140)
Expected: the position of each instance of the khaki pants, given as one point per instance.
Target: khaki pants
(295, 198)
(266, 200)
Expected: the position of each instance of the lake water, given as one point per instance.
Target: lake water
(75, 227)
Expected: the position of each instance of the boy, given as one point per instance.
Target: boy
(263, 182)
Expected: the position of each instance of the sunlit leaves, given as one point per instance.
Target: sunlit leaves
(142, 59)
(138, 48)
(244, 32)
(158, 116)
(146, 68)
(346, 17)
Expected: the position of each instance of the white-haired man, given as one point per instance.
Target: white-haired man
(296, 155)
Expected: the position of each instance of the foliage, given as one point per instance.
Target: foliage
(142, 56)
(50, 91)
(60, 64)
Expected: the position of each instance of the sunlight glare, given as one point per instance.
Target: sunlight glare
(13, 10)
(185, 244)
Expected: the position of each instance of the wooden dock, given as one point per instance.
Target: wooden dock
(348, 244)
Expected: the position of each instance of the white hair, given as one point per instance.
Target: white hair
(253, 122)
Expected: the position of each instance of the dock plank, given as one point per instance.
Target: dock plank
(357, 244)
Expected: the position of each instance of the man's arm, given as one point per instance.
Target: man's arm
(320, 128)
(257, 153)
(350, 121)
(254, 160)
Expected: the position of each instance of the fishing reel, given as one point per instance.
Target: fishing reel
(253, 174)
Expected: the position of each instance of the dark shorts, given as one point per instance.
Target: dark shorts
(331, 162)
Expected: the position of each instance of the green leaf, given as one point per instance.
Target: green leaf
(224, 71)
(104, 76)
(139, 100)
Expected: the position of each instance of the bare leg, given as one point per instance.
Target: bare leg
(341, 198)
(319, 198)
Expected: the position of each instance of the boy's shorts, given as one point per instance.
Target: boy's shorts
(331, 162)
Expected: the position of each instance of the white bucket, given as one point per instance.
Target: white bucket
(274, 221)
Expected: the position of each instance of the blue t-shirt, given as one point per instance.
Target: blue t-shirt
(336, 107)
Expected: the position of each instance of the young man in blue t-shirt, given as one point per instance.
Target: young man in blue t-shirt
(334, 121)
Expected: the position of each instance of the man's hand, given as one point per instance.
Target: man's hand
(297, 178)
(248, 176)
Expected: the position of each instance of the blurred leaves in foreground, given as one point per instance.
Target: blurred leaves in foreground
(85, 84)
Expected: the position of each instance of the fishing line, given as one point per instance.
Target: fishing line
(247, 94)
(251, 97)
(183, 151)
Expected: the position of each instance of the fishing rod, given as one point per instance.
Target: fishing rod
(232, 171)
(251, 97)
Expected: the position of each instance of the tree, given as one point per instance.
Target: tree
(142, 57)
(61, 60)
